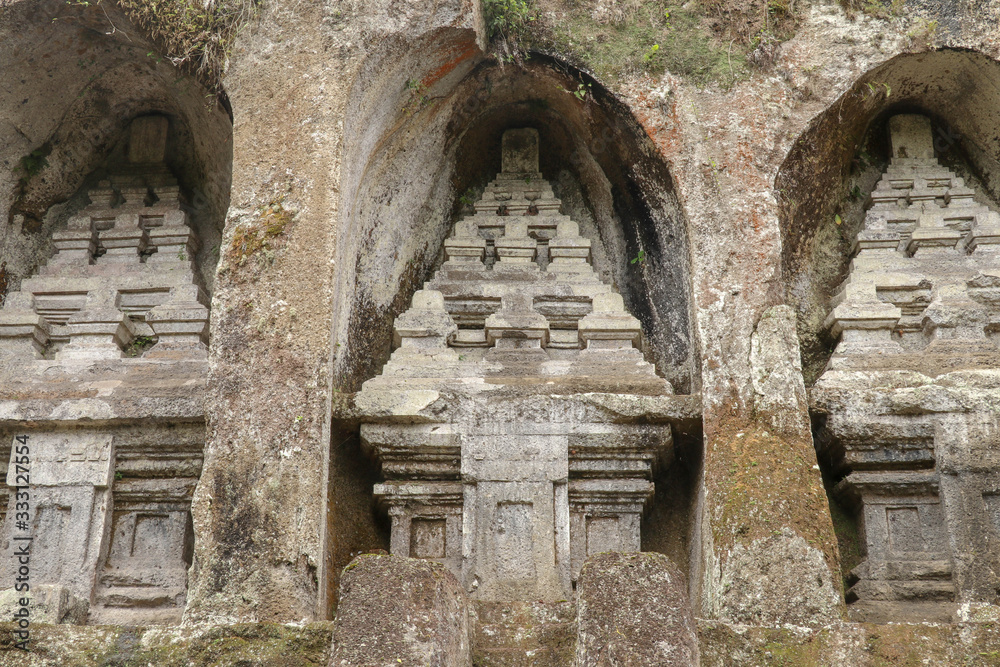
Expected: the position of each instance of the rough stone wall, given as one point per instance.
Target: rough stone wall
(723, 147)
(280, 506)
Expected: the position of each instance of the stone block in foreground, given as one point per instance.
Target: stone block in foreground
(400, 612)
(632, 609)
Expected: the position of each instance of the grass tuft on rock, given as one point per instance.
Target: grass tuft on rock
(196, 36)
(641, 37)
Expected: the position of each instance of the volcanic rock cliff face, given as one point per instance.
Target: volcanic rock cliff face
(214, 223)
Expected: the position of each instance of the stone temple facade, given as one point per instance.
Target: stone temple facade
(586, 333)
(921, 302)
(555, 422)
(110, 478)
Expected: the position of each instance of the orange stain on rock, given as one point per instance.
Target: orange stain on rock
(464, 51)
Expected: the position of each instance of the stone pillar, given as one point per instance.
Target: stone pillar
(519, 151)
(173, 239)
(75, 245)
(517, 327)
(768, 547)
(400, 611)
(954, 323)
(515, 249)
(632, 609)
(609, 326)
(985, 234)
(516, 514)
(126, 241)
(426, 326)
(466, 249)
(569, 253)
(863, 322)
(908, 559)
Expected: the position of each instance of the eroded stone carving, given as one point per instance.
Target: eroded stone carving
(498, 459)
(904, 392)
(913, 282)
(115, 439)
(123, 267)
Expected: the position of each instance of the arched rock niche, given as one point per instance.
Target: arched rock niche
(424, 127)
(834, 166)
(422, 133)
(74, 76)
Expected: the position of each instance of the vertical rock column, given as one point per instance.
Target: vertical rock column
(769, 550)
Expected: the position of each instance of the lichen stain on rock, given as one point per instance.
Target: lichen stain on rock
(247, 644)
(768, 513)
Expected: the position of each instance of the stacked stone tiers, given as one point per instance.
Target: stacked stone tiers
(911, 397)
(522, 474)
(924, 284)
(115, 439)
(118, 273)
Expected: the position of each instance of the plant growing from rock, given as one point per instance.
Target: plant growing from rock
(197, 36)
(507, 23)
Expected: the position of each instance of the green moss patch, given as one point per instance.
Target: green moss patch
(247, 645)
(264, 234)
(760, 482)
(650, 37)
(861, 644)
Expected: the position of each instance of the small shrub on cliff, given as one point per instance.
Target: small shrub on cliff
(507, 24)
(195, 35)
(745, 22)
(656, 36)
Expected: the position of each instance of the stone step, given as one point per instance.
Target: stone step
(523, 634)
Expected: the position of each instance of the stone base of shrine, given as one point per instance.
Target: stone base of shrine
(720, 645)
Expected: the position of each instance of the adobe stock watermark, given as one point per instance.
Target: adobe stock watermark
(19, 473)
(945, 138)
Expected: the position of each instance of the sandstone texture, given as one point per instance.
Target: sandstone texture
(400, 611)
(633, 610)
(501, 287)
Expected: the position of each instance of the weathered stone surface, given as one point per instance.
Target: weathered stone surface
(523, 633)
(779, 392)
(400, 611)
(253, 645)
(485, 487)
(866, 645)
(920, 482)
(47, 603)
(632, 609)
(107, 548)
(370, 117)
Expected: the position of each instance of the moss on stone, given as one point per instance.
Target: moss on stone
(248, 645)
(856, 644)
(762, 483)
(260, 237)
(651, 37)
